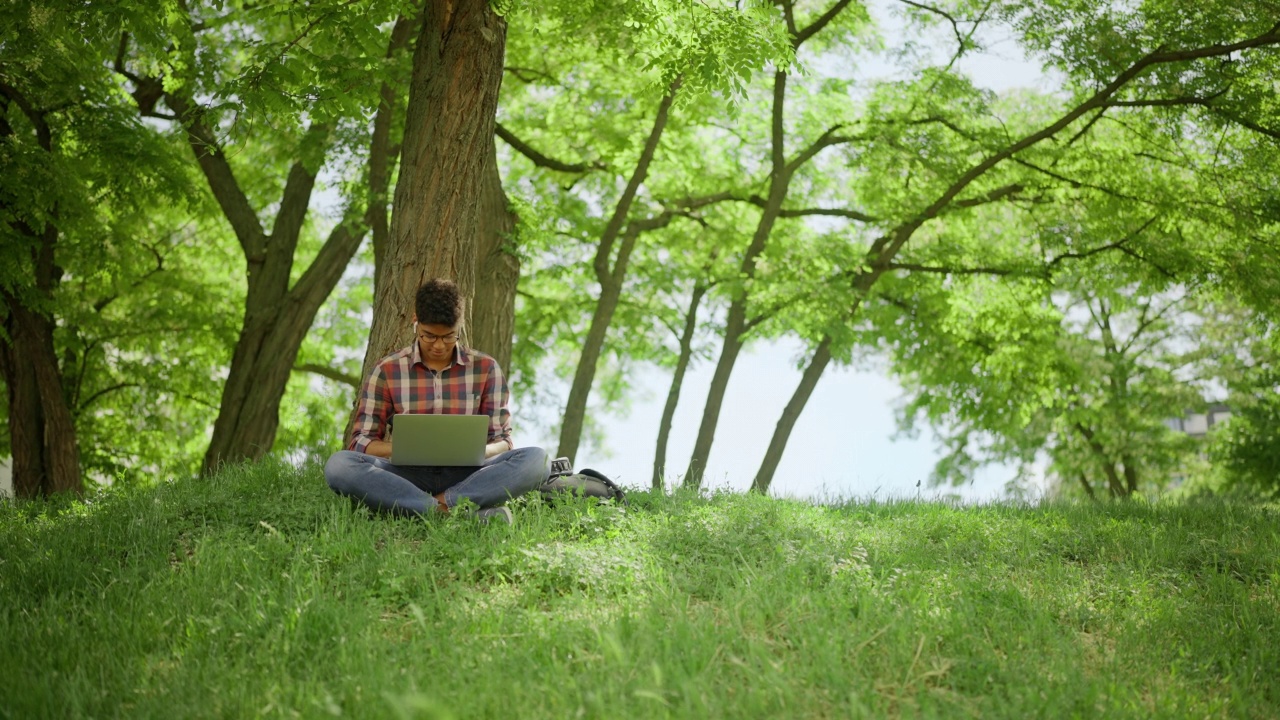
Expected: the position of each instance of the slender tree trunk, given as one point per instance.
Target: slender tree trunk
(736, 323)
(1130, 475)
(592, 346)
(453, 95)
(611, 279)
(1114, 486)
(493, 314)
(1088, 488)
(791, 413)
(677, 380)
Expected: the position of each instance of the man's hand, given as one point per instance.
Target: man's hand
(379, 448)
(494, 448)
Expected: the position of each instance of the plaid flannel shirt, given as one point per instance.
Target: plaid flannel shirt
(401, 384)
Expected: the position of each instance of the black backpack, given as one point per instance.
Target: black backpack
(585, 483)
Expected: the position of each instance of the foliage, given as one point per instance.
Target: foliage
(1246, 452)
(258, 592)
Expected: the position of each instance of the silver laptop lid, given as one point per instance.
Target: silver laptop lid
(439, 440)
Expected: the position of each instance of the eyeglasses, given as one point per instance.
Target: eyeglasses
(430, 339)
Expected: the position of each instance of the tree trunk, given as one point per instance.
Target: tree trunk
(795, 406)
(611, 279)
(1130, 475)
(677, 380)
(493, 314)
(1114, 487)
(277, 317)
(453, 96)
(41, 430)
(735, 326)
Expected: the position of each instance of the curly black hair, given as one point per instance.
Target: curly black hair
(438, 303)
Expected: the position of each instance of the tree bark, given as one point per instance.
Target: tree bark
(42, 431)
(277, 317)
(677, 380)
(611, 279)
(493, 314)
(453, 96)
(791, 413)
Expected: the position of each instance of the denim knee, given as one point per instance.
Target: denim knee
(534, 461)
(340, 468)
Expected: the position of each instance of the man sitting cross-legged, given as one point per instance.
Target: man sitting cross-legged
(434, 375)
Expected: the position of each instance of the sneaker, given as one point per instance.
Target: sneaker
(501, 514)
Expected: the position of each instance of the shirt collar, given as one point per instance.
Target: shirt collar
(459, 355)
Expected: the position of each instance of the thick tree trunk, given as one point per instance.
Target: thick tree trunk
(493, 314)
(786, 423)
(453, 95)
(677, 380)
(611, 279)
(42, 432)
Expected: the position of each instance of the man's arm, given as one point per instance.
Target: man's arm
(372, 410)
(493, 402)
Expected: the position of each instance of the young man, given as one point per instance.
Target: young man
(434, 375)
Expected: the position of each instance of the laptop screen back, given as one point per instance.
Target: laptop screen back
(439, 440)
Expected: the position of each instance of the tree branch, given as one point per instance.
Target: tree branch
(94, 397)
(1098, 99)
(330, 373)
(955, 26)
(538, 158)
(102, 303)
(296, 198)
(620, 211)
(522, 72)
(827, 139)
(222, 180)
(43, 134)
(816, 26)
(995, 195)
(944, 270)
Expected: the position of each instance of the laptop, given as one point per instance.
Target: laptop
(439, 440)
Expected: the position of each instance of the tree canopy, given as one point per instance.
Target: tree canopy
(212, 217)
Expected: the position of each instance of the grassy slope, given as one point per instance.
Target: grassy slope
(261, 593)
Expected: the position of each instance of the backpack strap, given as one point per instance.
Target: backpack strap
(622, 496)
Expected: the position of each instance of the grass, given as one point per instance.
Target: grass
(259, 593)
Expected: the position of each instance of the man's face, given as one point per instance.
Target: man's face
(435, 341)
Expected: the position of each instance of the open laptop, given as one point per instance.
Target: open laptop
(439, 440)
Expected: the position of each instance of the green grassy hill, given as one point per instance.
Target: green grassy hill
(260, 593)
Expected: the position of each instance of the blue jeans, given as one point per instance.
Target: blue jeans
(405, 490)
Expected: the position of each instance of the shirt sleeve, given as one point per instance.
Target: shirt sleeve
(372, 411)
(493, 402)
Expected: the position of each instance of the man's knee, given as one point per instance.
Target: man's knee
(535, 463)
(340, 470)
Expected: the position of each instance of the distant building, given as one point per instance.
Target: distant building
(1198, 424)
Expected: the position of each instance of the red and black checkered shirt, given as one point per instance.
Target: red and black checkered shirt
(402, 384)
